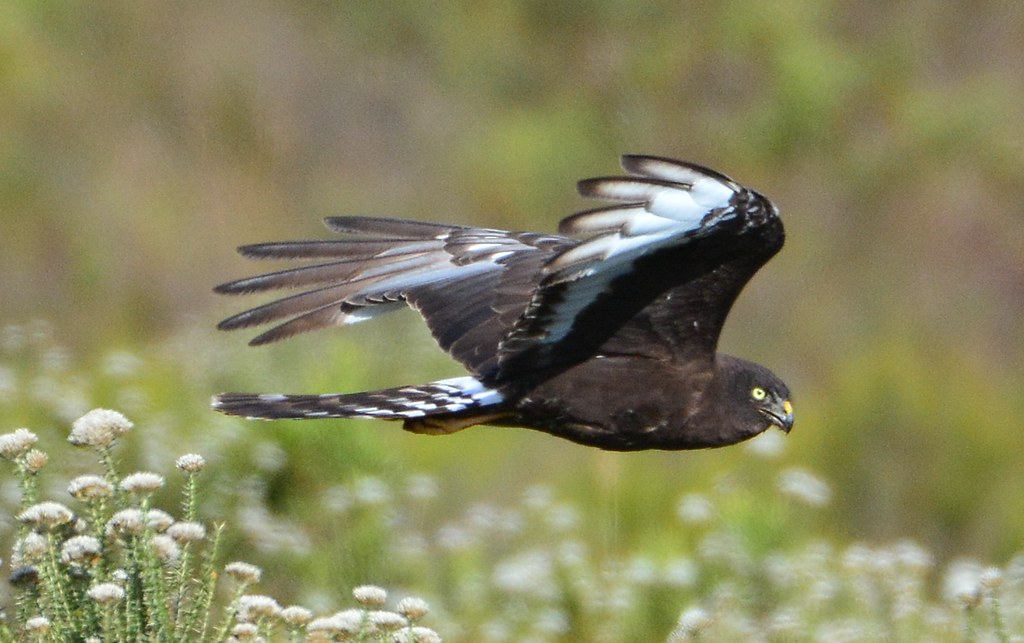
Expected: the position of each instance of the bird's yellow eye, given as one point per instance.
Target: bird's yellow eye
(758, 393)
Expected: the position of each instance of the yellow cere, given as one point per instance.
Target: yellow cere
(787, 407)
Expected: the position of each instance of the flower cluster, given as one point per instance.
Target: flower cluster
(114, 567)
(721, 572)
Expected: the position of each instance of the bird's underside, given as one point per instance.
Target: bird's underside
(604, 334)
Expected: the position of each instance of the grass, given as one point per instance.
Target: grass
(114, 537)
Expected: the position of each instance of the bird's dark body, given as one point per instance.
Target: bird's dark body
(608, 341)
(609, 402)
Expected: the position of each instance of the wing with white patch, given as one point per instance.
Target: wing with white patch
(683, 236)
(470, 284)
(658, 271)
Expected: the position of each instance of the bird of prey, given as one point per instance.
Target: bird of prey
(605, 334)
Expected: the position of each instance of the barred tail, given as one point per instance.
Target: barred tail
(438, 407)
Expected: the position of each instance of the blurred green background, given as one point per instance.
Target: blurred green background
(142, 141)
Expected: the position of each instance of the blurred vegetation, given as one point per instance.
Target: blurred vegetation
(143, 140)
(740, 552)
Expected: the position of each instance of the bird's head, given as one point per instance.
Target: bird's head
(772, 402)
(758, 397)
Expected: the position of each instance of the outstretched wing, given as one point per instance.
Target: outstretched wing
(470, 284)
(656, 274)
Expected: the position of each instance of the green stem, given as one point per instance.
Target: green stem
(998, 622)
(29, 485)
(188, 503)
(198, 617)
(969, 625)
(133, 592)
(154, 592)
(57, 588)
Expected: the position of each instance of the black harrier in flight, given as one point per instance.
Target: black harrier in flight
(605, 334)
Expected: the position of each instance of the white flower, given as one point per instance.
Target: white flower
(370, 595)
(786, 624)
(158, 519)
(98, 428)
(421, 487)
(417, 634)
(385, 620)
(691, 623)
(243, 572)
(29, 548)
(991, 578)
(963, 583)
(350, 620)
(413, 608)
(767, 445)
(337, 499)
(296, 615)
(804, 486)
(127, 521)
(36, 460)
(640, 570)
(120, 363)
(551, 621)
(538, 497)
(455, 538)
(913, 556)
(530, 572)
(371, 491)
(253, 607)
(165, 548)
(858, 557)
(14, 444)
(142, 482)
(37, 625)
(695, 509)
(185, 532)
(79, 549)
(106, 593)
(191, 463)
(89, 487)
(269, 457)
(329, 626)
(46, 514)
(681, 572)
(244, 632)
(346, 622)
(562, 517)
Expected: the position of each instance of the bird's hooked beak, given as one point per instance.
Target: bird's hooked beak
(780, 414)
